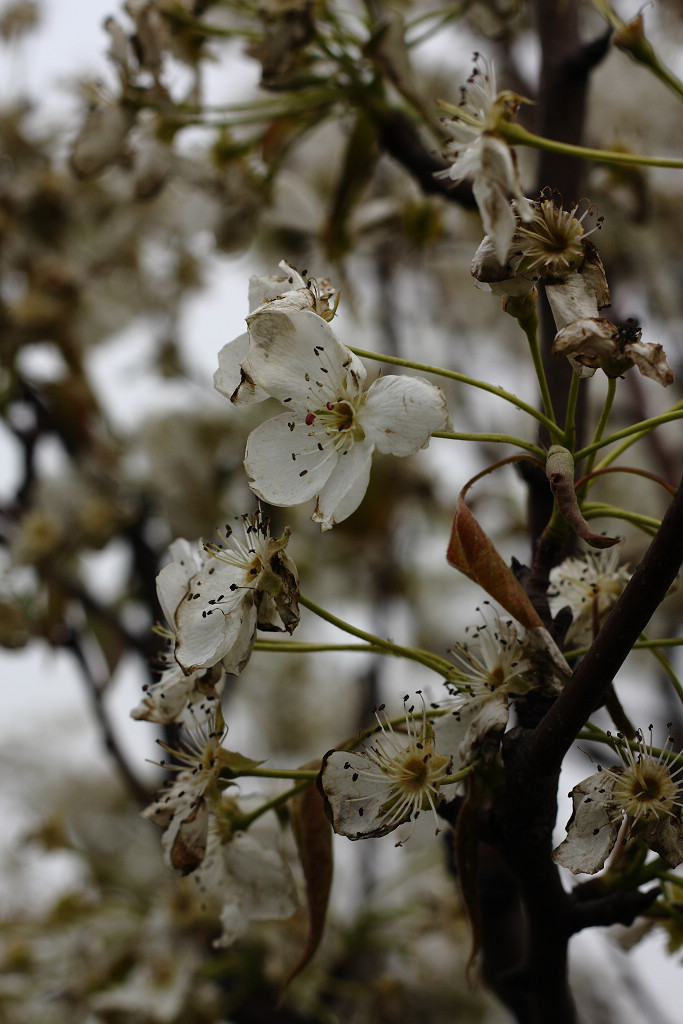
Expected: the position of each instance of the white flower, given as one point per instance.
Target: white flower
(595, 342)
(233, 378)
(244, 871)
(642, 796)
(496, 662)
(590, 584)
(322, 445)
(502, 661)
(241, 584)
(480, 154)
(397, 775)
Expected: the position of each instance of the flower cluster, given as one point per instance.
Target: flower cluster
(205, 835)
(641, 798)
(399, 773)
(322, 445)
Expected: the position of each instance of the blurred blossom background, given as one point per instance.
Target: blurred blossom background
(125, 256)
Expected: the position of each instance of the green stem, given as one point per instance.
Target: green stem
(246, 820)
(673, 678)
(527, 446)
(640, 429)
(431, 661)
(640, 645)
(461, 378)
(519, 136)
(570, 418)
(279, 773)
(529, 325)
(600, 429)
(601, 510)
(296, 647)
(592, 732)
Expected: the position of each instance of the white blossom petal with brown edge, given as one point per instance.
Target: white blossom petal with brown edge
(176, 697)
(218, 614)
(591, 831)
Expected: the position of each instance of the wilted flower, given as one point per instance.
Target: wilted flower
(478, 152)
(396, 776)
(595, 342)
(550, 246)
(642, 795)
(590, 585)
(322, 445)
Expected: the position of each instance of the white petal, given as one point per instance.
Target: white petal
(573, 299)
(401, 413)
(591, 833)
(211, 618)
(269, 287)
(283, 461)
(172, 586)
(346, 487)
(296, 358)
(233, 378)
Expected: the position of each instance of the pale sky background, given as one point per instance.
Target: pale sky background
(72, 39)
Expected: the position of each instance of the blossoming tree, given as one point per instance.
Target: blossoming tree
(310, 427)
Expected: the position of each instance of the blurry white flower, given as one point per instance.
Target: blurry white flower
(477, 152)
(595, 342)
(243, 871)
(396, 776)
(322, 445)
(244, 583)
(642, 795)
(101, 140)
(590, 585)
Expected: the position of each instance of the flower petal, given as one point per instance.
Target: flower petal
(355, 793)
(591, 833)
(283, 461)
(234, 377)
(346, 487)
(297, 359)
(401, 413)
(214, 617)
